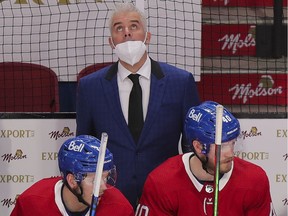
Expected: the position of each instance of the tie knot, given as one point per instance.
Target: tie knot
(134, 78)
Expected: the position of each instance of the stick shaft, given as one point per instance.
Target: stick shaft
(216, 180)
(218, 141)
(98, 174)
(218, 128)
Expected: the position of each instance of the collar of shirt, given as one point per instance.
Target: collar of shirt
(125, 86)
(144, 71)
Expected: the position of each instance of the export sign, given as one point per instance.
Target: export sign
(244, 88)
(228, 40)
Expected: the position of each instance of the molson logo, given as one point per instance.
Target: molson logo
(9, 202)
(285, 202)
(264, 88)
(207, 2)
(240, 3)
(226, 2)
(57, 134)
(17, 156)
(16, 133)
(285, 156)
(252, 133)
(39, 2)
(251, 155)
(234, 42)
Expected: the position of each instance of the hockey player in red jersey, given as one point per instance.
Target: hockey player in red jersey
(71, 194)
(184, 184)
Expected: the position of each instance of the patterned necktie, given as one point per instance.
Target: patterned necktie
(135, 111)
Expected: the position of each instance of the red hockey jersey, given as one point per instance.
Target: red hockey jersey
(44, 198)
(171, 189)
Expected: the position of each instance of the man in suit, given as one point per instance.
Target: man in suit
(103, 103)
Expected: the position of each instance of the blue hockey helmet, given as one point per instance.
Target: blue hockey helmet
(200, 124)
(79, 156)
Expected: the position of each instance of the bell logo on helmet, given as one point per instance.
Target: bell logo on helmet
(194, 116)
(77, 148)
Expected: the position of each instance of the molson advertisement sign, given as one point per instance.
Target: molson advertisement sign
(267, 88)
(228, 40)
(240, 3)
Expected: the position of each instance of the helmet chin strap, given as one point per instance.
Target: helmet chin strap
(204, 163)
(79, 196)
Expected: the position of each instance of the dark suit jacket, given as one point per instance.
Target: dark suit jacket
(173, 91)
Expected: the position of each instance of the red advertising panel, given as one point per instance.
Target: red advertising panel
(259, 89)
(240, 3)
(228, 40)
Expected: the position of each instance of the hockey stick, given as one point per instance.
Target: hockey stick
(218, 140)
(98, 174)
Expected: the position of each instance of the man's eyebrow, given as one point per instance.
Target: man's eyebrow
(131, 21)
(134, 21)
(117, 23)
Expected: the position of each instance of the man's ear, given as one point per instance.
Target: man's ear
(197, 146)
(71, 180)
(111, 42)
(148, 38)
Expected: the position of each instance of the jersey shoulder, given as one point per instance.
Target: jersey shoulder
(168, 169)
(250, 174)
(114, 202)
(42, 187)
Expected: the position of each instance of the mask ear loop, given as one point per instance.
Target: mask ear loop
(112, 43)
(145, 38)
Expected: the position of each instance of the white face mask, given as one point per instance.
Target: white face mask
(131, 51)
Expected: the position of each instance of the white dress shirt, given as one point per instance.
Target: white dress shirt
(125, 85)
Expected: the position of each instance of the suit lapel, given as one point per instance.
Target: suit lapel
(111, 93)
(157, 88)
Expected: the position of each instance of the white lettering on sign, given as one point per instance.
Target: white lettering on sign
(226, 2)
(234, 42)
(78, 148)
(194, 116)
(245, 91)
